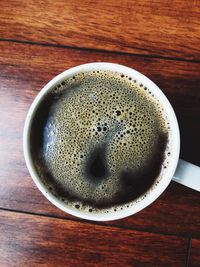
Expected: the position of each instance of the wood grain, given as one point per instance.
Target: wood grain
(194, 260)
(24, 70)
(41, 241)
(161, 28)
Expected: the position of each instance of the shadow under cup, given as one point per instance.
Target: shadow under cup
(155, 187)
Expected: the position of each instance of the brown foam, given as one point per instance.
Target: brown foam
(103, 139)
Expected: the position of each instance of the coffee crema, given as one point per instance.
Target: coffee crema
(99, 140)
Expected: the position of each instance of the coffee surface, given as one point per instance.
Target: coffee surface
(99, 140)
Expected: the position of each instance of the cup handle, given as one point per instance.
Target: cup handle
(187, 174)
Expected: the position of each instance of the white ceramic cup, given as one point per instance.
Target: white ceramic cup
(178, 170)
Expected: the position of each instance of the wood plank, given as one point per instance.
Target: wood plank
(194, 260)
(35, 240)
(24, 70)
(161, 28)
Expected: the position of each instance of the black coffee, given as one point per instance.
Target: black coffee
(99, 140)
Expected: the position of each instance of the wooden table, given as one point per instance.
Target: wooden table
(38, 40)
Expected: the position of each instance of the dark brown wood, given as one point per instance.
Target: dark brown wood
(169, 29)
(25, 69)
(194, 259)
(28, 240)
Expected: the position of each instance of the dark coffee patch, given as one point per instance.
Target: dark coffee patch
(96, 168)
(135, 183)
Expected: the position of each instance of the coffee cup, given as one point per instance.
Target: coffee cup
(173, 168)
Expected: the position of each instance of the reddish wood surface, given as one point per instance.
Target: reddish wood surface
(28, 240)
(24, 71)
(160, 39)
(194, 260)
(166, 28)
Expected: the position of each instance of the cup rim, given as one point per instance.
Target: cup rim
(156, 192)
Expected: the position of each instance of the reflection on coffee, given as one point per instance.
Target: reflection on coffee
(99, 140)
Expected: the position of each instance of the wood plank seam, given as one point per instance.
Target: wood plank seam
(45, 241)
(99, 50)
(76, 219)
(130, 27)
(188, 252)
